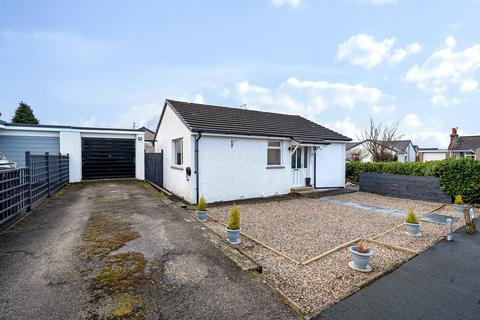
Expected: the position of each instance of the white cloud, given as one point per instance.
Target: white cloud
(446, 67)
(383, 109)
(143, 115)
(363, 50)
(399, 55)
(450, 42)
(307, 98)
(293, 3)
(411, 121)
(346, 127)
(443, 100)
(468, 85)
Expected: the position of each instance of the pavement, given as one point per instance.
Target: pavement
(114, 249)
(442, 283)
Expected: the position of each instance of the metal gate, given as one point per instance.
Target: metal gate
(154, 168)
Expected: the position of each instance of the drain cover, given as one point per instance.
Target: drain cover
(438, 218)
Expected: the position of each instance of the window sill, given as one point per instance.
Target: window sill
(275, 167)
(176, 167)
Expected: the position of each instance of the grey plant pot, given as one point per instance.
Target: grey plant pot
(360, 260)
(460, 207)
(412, 228)
(202, 216)
(233, 236)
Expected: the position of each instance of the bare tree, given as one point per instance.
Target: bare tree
(378, 140)
(356, 155)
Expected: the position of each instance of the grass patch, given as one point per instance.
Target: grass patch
(122, 271)
(130, 306)
(105, 234)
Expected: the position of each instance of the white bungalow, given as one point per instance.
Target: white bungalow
(231, 153)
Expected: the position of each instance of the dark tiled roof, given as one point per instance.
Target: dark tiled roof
(400, 145)
(217, 119)
(65, 127)
(351, 145)
(465, 143)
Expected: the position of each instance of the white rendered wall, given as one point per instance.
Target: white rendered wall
(331, 166)
(236, 168)
(411, 153)
(174, 177)
(433, 156)
(71, 143)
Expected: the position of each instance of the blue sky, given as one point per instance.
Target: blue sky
(339, 63)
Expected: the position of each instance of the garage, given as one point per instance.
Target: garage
(108, 158)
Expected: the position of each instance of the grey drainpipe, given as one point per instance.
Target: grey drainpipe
(196, 165)
(315, 168)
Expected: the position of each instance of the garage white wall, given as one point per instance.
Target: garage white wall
(433, 156)
(331, 166)
(236, 168)
(71, 143)
(174, 177)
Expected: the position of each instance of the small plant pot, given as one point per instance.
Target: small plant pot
(360, 260)
(202, 215)
(413, 229)
(233, 236)
(460, 207)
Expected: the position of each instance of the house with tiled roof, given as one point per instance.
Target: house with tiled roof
(402, 150)
(464, 146)
(226, 153)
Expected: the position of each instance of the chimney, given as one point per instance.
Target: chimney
(453, 136)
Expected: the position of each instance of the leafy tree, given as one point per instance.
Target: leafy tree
(24, 114)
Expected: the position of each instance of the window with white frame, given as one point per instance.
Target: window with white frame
(177, 151)
(274, 153)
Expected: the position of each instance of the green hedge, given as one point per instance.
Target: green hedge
(457, 176)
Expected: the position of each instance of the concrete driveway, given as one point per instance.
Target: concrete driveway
(116, 250)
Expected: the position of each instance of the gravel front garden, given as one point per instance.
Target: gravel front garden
(302, 243)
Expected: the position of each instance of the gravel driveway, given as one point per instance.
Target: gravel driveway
(116, 250)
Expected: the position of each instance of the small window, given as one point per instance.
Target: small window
(178, 152)
(274, 153)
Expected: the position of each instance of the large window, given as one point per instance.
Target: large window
(274, 153)
(178, 152)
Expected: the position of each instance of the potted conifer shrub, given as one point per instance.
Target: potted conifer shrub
(202, 209)
(458, 204)
(411, 223)
(361, 257)
(233, 226)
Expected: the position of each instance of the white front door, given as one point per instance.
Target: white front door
(299, 166)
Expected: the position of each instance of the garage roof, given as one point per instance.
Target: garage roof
(224, 120)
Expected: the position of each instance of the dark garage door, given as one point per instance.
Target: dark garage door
(108, 158)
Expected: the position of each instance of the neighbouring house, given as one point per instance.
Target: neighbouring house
(431, 154)
(149, 139)
(404, 150)
(227, 153)
(463, 146)
(95, 153)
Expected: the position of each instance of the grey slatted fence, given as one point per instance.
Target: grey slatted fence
(25, 188)
(154, 168)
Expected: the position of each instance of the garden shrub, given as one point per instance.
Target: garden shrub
(411, 217)
(456, 176)
(202, 204)
(234, 220)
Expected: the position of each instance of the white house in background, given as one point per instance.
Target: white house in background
(403, 149)
(95, 153)
(432, 154)
(230, 153)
